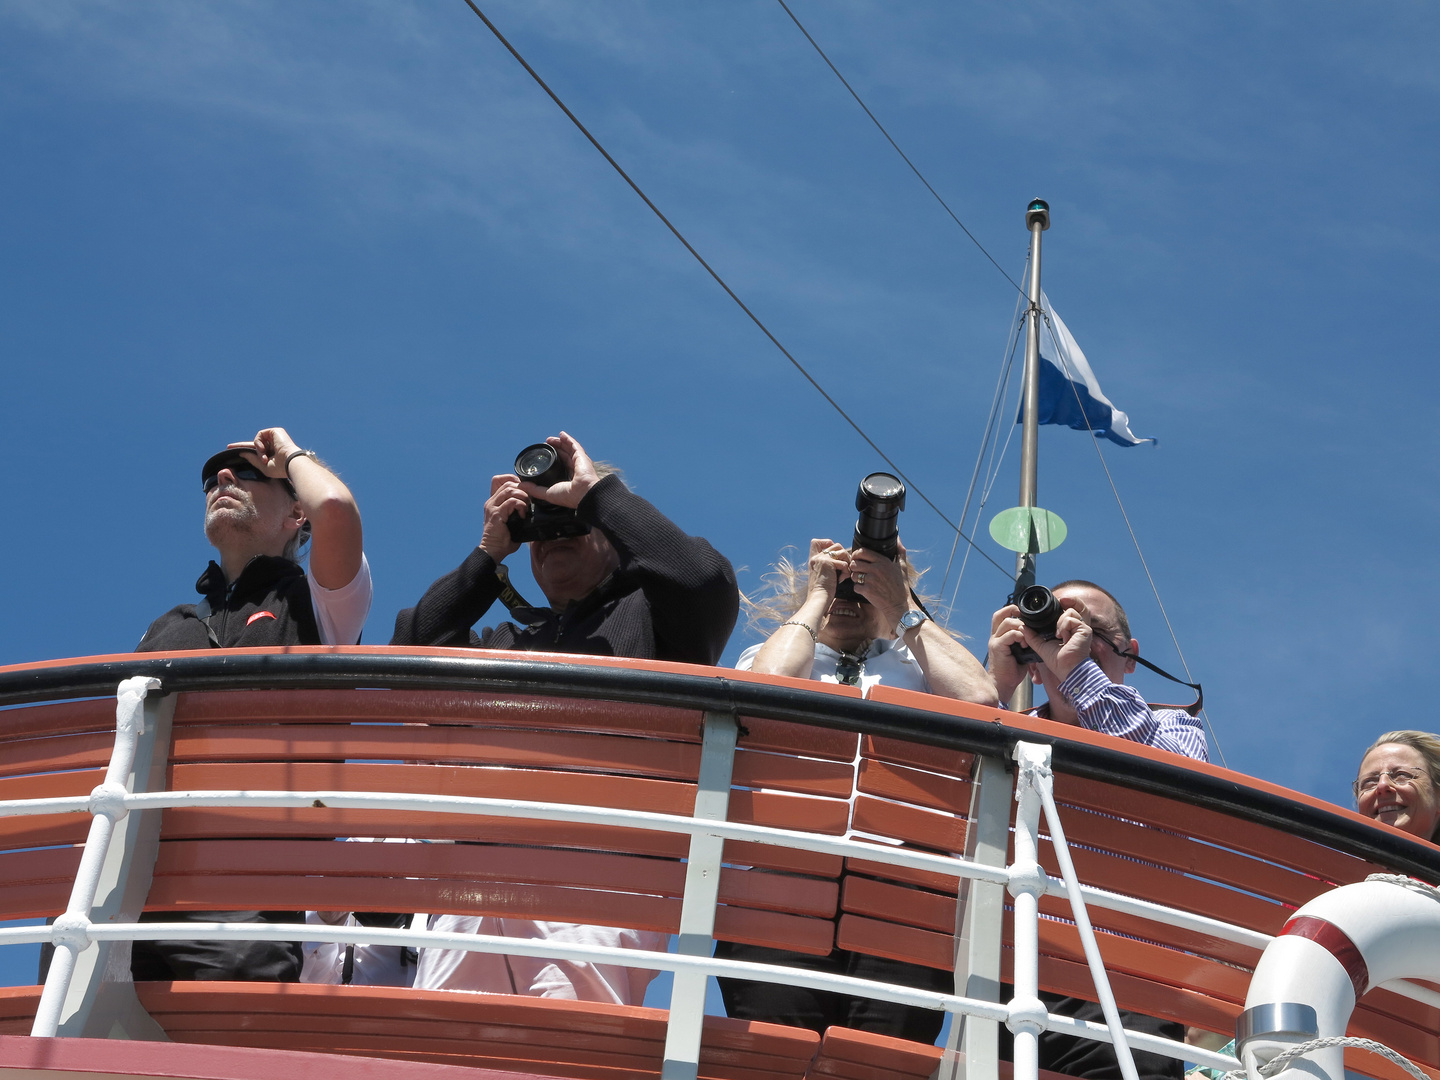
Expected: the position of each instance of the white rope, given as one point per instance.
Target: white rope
(1413, 884)
(1281, 1060)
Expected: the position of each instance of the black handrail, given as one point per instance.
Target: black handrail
(225, 670)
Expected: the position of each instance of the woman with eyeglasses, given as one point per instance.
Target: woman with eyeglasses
(1399, 781)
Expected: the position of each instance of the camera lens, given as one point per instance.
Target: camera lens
(879, 499)
(1039, 610)
(882, 486)
(534, 460)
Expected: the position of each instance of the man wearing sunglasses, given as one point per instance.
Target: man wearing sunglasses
(264, 500)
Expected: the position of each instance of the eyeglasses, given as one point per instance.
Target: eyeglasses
(240, 472)
(1397, 778)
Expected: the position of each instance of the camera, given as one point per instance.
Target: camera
(1040, 611)
(879, 499)
(541, 464)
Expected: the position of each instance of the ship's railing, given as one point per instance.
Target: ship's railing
(933, 774)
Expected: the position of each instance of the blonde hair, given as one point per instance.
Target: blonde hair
(783, 589)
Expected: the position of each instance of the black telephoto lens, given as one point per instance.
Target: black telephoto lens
(880, 499)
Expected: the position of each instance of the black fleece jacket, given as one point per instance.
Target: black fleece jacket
(268, 604)
(673, 596)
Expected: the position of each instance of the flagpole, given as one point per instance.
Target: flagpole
(1037, 220)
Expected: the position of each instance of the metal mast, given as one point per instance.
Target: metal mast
(1037, 220)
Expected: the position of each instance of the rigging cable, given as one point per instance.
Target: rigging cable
(721, 281)
(1060, 353)
(996, 410)
(920, 176)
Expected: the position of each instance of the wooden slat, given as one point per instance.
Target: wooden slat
(526, 1034)
(935, 759)
(787, 772)
(1178, 852)
(188, 824)
(57, 753)
(923, 828)
(581, 789)
(898, 904)
(775, 929)
(1225, 830)
(442, 744)
(60, 718)
(745, 853)
(434, 707)
(1175, 890)
(915, 786)
(781, 736)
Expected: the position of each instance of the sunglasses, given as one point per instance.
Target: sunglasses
(240, 472)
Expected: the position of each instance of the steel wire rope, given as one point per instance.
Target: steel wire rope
(996, 404)
(721, 282)
(993, 470)
(998, 453)
(1060, 354)
(918, 174)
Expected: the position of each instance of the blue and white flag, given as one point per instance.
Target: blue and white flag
(1069, 392)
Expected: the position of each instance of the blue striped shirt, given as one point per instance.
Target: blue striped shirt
(1119, 710)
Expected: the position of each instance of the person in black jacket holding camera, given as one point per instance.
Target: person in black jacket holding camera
(625, 581)
(620, 579)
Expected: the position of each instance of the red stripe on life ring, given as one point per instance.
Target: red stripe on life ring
(1337, 943)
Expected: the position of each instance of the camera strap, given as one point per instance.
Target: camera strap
(518, 606)
(1193, 710)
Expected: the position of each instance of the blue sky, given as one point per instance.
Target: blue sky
(367, 224)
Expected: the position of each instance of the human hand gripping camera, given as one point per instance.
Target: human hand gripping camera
(537, 504)
(858, 620)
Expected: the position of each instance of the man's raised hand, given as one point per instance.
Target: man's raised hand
(583, 477)
(507, 496)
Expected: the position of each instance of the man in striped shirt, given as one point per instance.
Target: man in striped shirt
(1084, 671)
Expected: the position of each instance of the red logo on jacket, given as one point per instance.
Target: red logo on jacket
(260, 615)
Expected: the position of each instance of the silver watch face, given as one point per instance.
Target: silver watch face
(910, 620)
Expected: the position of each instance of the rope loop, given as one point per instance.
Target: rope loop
(1280, 1061)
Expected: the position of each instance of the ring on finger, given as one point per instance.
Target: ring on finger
(859, 578)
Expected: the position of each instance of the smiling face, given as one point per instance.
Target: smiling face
(1409, 806)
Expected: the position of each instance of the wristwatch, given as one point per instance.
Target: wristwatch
(911, 619)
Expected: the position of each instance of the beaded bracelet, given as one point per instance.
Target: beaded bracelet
(804, 626)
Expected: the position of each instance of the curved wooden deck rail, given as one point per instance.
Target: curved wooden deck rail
(627, 734)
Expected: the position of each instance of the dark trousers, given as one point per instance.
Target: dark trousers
(236, 961)
(817, 1009)
(1095, 1060)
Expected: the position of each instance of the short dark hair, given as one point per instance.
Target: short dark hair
(1081, 583)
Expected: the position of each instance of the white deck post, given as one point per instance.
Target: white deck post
(979, 917)
(702, 893)
(89, 992)
(1027, 883)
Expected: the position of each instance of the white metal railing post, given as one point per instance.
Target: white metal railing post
(1087, 932)
(70, 933)
(702, 893)
(972, 1045)
(1027, 1014)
